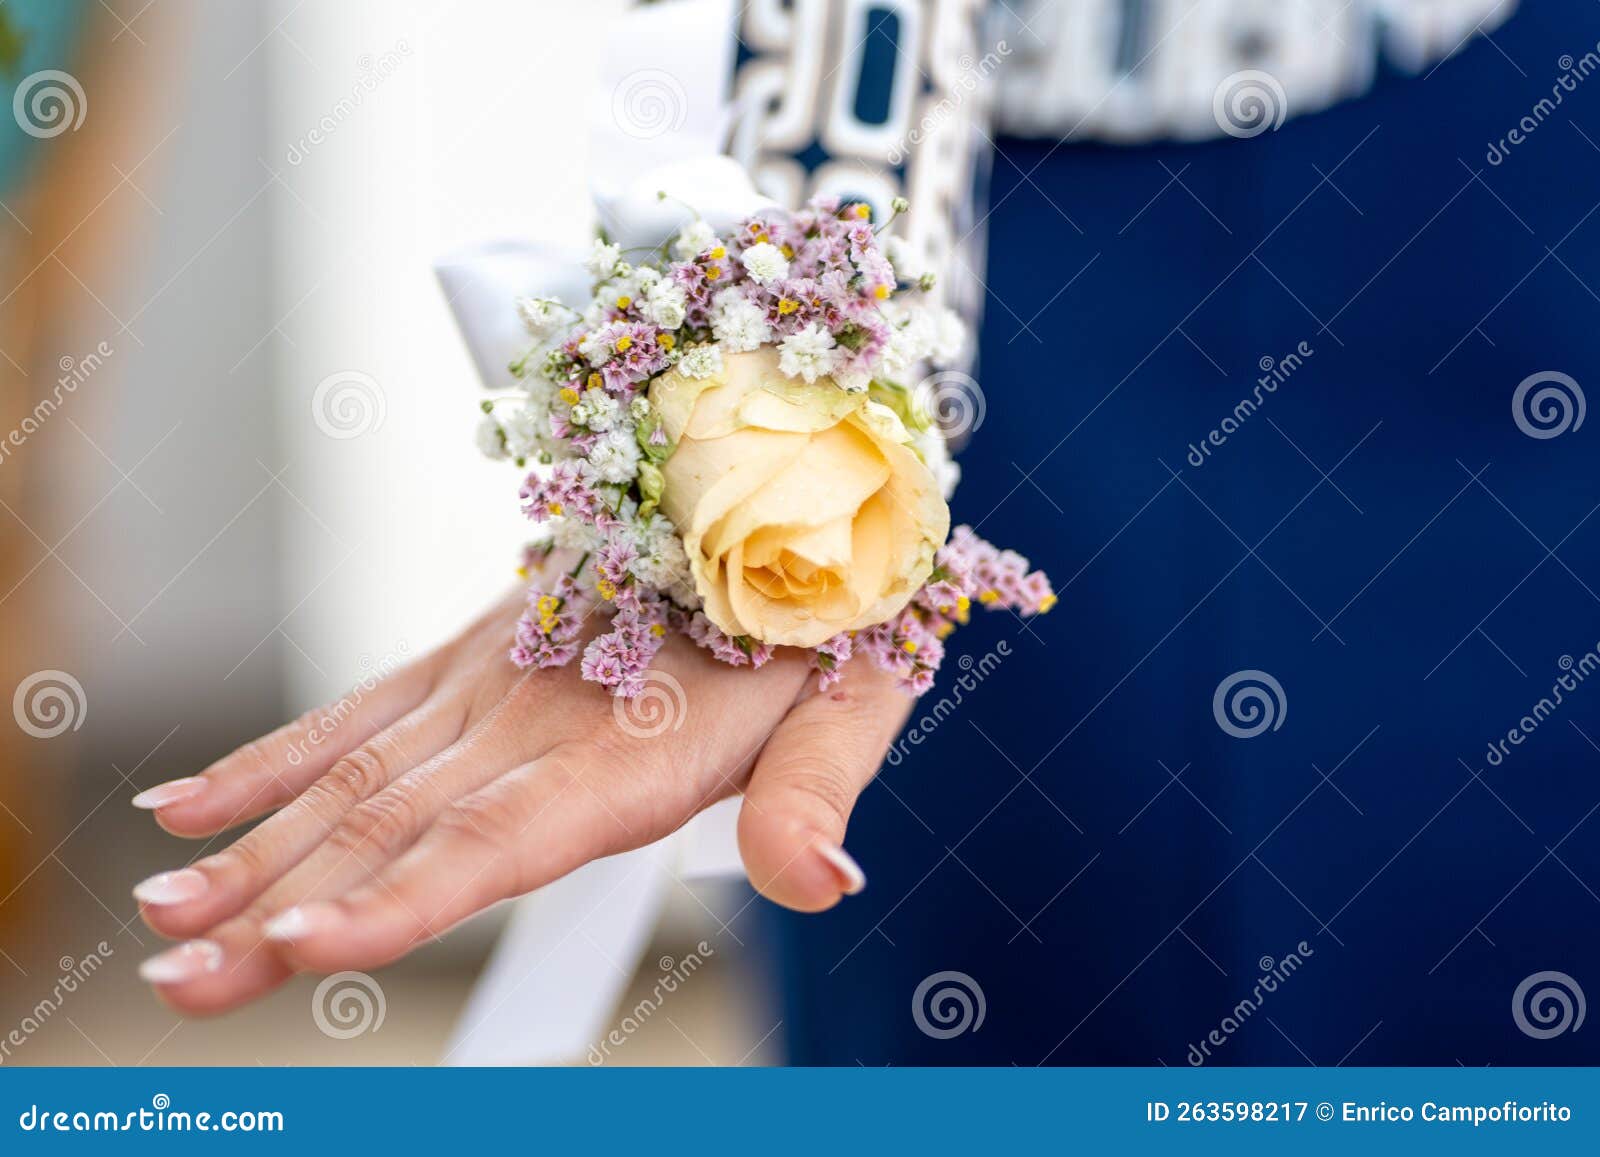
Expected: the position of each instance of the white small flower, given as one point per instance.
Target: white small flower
(809, 353)
(702, 361)
(905, 259)
(666, 304)
(602, 260)
(597, 410)
(596, 348)
(949, 334)
(935, 454)
(911, 339)
(639, 408)
(615, 457)
(694, 240)
(490, 441)
(541, 316)
(574, 534)
(661, 562)
(523, 431)
(766, 263)
(737, 322)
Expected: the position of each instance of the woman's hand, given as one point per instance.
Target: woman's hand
(460, 781)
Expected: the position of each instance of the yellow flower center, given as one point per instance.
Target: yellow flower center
(718, 253)
(624, 344)
(881, 292)
(787, 305)
(607, 589)
(569, 395)
(988, 598)
(657, 630)
(667, 341)
(863, 210)
(1046, 603)
(787, 250)
(595, 381)
(909, 647)
(556, 509)
(624, 301)
(713, 272)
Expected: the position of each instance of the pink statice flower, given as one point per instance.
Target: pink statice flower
(547, 633)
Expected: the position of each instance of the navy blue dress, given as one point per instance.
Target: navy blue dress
(1082, 838)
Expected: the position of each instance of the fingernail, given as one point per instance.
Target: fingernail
(171, 792)
(185, 962)
(851, 877)
(172, 887)
(297, 923)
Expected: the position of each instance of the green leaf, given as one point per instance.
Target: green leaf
(651, 486)
(642, 434)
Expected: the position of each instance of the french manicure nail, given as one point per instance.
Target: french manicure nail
(171, 792)
(300, 922)
(851, 877)
(185, 962)
(172, 887)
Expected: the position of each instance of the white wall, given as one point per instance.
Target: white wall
(477, 132)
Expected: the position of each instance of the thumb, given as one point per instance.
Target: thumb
(805, 784)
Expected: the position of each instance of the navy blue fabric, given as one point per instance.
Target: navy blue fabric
(1411, 613)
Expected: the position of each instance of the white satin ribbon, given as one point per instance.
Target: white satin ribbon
(568, 950)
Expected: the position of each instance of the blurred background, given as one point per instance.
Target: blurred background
(240, 474)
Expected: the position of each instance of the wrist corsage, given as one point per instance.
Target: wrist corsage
(723, 438)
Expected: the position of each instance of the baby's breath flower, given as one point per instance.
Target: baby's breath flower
(694, 240)
(666, 304)
(809, 353)
(703, 361)
(603, 259)
(765, 263)
(738, 323)
(490, 439)
(541, 316)
(596, 348)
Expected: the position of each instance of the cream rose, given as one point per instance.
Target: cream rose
(803, 509)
